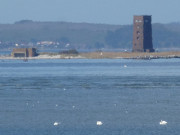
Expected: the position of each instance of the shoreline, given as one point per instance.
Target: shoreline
(100, 55)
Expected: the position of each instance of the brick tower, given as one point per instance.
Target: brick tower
(142, 34)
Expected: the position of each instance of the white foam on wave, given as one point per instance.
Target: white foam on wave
(125, 66)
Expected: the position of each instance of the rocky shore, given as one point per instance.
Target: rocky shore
(101, 55)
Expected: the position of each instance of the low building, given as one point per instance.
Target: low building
(24, 52)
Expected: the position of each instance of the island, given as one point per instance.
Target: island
(99, 55)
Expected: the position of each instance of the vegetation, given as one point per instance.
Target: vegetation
(128, 55)
(71, 51)
(83, 35)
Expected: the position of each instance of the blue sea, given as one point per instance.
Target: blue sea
(129, 97)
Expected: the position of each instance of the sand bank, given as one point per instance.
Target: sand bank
(103, 55)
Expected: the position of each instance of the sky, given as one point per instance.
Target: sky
(91, 11)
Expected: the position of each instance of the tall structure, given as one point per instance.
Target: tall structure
(142, 34)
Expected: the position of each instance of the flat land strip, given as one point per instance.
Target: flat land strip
(130, 55)
(102, 55)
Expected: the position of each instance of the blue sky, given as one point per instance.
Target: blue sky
(91, 11)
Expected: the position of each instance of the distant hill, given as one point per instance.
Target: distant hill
(84, 35)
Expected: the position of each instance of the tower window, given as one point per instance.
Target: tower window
(138, 21)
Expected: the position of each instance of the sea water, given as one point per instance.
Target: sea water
(69, 97)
